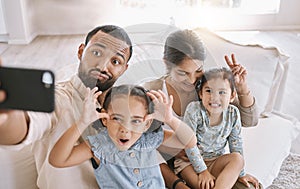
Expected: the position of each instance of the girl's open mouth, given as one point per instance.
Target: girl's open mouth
(123, 141)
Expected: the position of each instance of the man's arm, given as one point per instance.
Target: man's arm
(14, 126)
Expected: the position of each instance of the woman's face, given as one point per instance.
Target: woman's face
(185, 74)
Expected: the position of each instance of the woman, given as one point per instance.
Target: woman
(184, 55)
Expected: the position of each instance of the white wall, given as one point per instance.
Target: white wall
(19, 19)
(72, 16)
(77, 16)
(287, 18)
(3, 32)
(2, 21)
(27, 18)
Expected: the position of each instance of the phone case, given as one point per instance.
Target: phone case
(27, 89)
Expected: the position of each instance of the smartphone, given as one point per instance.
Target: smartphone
(27, 89)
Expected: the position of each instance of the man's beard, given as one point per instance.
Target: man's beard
(92, 82)
(105, 85)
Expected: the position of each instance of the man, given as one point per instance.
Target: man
(103, 59)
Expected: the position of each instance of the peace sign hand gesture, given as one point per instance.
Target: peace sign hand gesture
(239, 73)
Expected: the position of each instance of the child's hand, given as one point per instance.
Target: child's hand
(89, 113)
(206, 180)
(162, 106)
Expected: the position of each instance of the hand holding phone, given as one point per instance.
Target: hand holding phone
(26, 89)
(2, 95)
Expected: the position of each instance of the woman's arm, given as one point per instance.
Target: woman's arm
(249, 115)
(245, 100)
(240, 76)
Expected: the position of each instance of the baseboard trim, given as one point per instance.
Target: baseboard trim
(4, 38)
(22, 41)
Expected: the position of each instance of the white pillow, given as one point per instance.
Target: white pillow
(266, 146)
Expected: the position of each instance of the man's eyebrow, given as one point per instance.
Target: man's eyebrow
(121, 55)
(200, 68)
(100, 45)
(104, 47)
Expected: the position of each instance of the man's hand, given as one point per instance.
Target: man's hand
(3, 115)
(2, 95)
(3, 118)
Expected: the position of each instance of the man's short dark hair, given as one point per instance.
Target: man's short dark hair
(113, 31)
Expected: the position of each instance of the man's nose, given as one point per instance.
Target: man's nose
(103, 65)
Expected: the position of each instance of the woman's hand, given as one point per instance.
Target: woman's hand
(239, 73)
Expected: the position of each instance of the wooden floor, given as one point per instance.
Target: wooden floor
(3, 47)
(45, 52)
